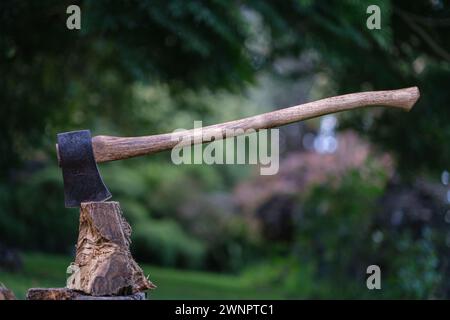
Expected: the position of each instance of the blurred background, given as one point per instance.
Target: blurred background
(354, 189)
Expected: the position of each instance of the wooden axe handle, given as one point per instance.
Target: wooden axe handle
(107, 148)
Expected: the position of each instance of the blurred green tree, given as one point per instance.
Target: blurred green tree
(53, 78)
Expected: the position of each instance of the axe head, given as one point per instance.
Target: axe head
(82, 180)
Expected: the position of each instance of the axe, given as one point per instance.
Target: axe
(78, 153)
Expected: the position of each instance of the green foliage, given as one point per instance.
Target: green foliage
(165, 243)
(422, 279)
(340, 232)
(54, 79)
(334, 230)
(409, 50)
(188, 41)
(28, 221)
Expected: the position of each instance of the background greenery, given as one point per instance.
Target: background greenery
(146, 67)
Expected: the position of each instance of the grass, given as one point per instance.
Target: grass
(43, 270)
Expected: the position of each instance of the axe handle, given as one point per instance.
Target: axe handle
(108, 148)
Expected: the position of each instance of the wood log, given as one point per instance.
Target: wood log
(103, 264)
(6, 294)
(68, 294)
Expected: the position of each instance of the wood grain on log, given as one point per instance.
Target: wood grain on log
(103, 264)
(68, 294)
(108, 148)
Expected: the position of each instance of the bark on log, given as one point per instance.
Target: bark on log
(6, 294)
(103, 264)
(68, 294)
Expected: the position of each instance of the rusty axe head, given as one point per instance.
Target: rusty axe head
(82, 180)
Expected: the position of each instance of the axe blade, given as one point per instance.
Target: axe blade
(82, 180)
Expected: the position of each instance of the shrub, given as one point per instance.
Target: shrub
(163, 242)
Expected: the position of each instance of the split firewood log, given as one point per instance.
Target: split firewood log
(103, 264)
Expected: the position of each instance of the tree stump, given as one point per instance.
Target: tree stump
(103, 264)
